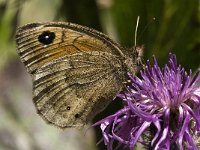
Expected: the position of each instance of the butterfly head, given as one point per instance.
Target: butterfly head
(134, 62)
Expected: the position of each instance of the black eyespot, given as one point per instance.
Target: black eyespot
(68, 108)
(46, 37)
(76, 116)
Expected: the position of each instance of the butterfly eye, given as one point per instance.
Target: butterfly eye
(46, 37)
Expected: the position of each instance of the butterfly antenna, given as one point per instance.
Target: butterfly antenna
(136, 28)
(153, 19)
(139, 50)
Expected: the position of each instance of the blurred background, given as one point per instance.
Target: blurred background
(176, 28)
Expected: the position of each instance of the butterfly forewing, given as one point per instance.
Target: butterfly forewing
(76, 71)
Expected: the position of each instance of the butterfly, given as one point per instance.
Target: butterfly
(76, 71)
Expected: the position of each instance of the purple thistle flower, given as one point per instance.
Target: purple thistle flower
(162, 110)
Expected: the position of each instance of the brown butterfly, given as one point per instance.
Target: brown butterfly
(76, 71)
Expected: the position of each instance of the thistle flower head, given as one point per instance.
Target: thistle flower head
(161, 111)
